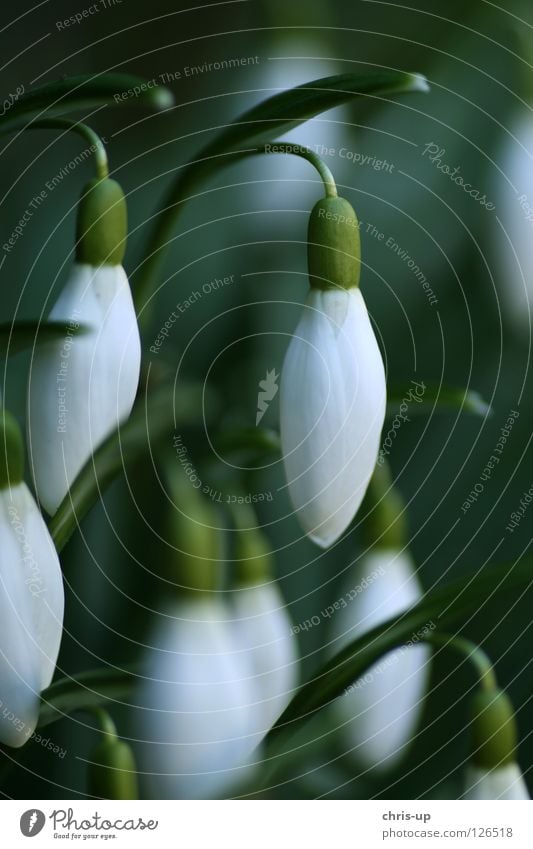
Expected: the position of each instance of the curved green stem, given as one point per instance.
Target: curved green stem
(168, 216)
(100, 155)
(306, 153)
(471, 651)
(105, 723)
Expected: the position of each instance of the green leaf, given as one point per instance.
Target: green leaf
(440, 609)
(435, 397)
(18, 336)
(153, 418)
(87, 690)
(82, 92)
(266, 121)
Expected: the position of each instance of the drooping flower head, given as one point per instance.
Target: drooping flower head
(83, 386)
(333, 392)
(263, 628)
(493, 772)
(31, 595)
(195, 697)
(380, 712)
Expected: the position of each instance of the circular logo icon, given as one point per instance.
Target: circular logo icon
(32, 822)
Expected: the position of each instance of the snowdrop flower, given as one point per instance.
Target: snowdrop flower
(504, 783)
(31, 596)
(513, 246)
(83, 386)
(493, 772)
(195, 698)
(333, 392)
(380, 712)
(263, 630)
(195, 703)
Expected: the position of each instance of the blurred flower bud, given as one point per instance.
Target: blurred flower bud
(112, 773)
(264, 631)
(493, 772)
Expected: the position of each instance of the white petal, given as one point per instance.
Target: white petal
(513, 253)
(264, 635)
(507, 782)
(196, 705)
(382, 709)
(81, 387)
(332, 401)
(31, 613)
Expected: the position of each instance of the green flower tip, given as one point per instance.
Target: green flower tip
(254, 560)
(101, 226)
(334, 246)
(493, 729)
(11, 451)
(112, 773)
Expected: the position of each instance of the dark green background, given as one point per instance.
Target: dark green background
(477, 61)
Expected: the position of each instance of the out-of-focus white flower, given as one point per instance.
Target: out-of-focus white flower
(31, 598)
(493, 772)
(264, 634)
(332, 401)
(83, 386)
(507, 782)
(511, 238)
(380, 712)
(195, 704)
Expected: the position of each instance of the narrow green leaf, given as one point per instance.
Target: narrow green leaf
(18, 336)
(429, 397)
(440, 609)
(266, 121)
(82, 92)
(152, 419)
(87, 690)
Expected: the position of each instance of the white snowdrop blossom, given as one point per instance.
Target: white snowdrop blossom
(195, 700)
(332, 401)
(511, 239)
(380, 712)
(31, 605)
(83, 385)
(265, 637)
(505, 782)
